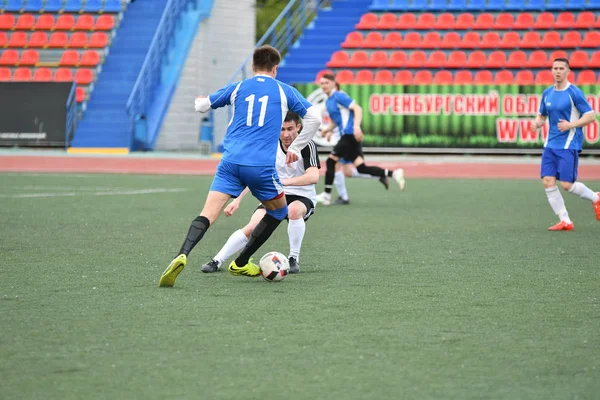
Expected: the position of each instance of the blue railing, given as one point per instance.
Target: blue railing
(71, 116)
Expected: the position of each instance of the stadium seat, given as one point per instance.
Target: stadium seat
(530, 40)
(33, 6)
(58, 40)
(358, 59)
(436, 59)
(85, 76)
(373, 40)
(321, 73)
(586, 77)
(457, 59)
(93, 6)
(98, 40)
(105, 23)
(7, 21)
(85, 22)
(377, 59)
(584, 20)
(576, 4)
(338, 59)
(3, 39)
(470, 40)
(403, 77)
(504, 21)
(571, 39)
(483, 77)
(25, 22)
(112, 6)
(65, 22)
(5, 74)
(476, 59)
(397, 59)
(591, 39)
(353, 40)
(9, 57)
(456, 5)
(78, 40)
(406, 21)
(451, 40)
(510, 40)
(444, 21)
(425, 21)
(463, 77)
(524, 77)
(15, 6)
(544, 20)
(412, 40)
(550, 40)
(443, 78)
(29, 57)
(484, 21)
(555, 5)
(464, 21)
(431, 40)
(53, 6)
(476, 5)
(69, 58)
(496, 59)
(22, 75)
(565, 20)
(344, 76)
(364, 77)
(516, 59)
(367, 21)
(594, 61)
(416, 59)
(544, 78)
(534, 5)
(38, 39)
(578, 59)
(438, 5)
(387, 21)
(504, 77)
(423, 77)
(392, 40)
(63, 75)
(42, 75)
(383, 77)
(45, 22)
(513, 5)
(537, 59)
(597, 24)
(17, 39)
(79, 94)
(73, 6)
(490, 40)
(524, 21)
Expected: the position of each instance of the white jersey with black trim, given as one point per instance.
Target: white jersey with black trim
(308, 158)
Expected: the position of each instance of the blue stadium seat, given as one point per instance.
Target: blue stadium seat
(92, 6)
(475, 5)
(593, 5)
(33, 5)
(555, 5)
(380, 5)
(112, 6)
(534, 5)
(457, 5)
(53, 6)
(73, 6)
(415, 5)
(438, 5)
(514, 5)
(576, 5)
(495, 6)
(2, 5)
(14, 5)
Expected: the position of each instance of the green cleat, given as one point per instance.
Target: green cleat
(170, 275)
(249, 269)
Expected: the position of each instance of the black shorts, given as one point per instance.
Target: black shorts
(348, 148)
(310, 207)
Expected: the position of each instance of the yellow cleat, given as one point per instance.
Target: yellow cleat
(170, 275)
(249, 269)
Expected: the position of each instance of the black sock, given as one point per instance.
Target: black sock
(329, 175)
(197, 229)
(389, 172)
(259, 235)
(374, 171)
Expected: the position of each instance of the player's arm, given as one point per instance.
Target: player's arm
(587, 113)
(235, 204)
(311, 168)
(218, 99)
(310, 124)
(540, 119)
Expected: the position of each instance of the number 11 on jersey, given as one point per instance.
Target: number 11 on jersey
(263, 109)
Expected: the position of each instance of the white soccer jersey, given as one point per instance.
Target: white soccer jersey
(308, 158)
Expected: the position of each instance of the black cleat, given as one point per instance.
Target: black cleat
(294, 267)
(384, 181)
(211, 266)
(339, 200)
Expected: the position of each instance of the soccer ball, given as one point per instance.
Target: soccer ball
(274, 266)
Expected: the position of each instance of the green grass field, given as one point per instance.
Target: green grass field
(451, 290)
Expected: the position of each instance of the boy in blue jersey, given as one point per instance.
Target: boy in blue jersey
(346, 114)
(259, 106)
(567, 110)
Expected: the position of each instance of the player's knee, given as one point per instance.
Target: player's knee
(566, 186)
(549, 181)
(296, 210)
(279, 214)
(362, 168)
(247, 230)
(330, 164)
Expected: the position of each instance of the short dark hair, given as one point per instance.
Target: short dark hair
(292, 116)
(561, 59)
(328, 76)
(265, 58)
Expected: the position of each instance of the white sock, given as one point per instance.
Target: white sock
(584, 192)
(296, 229)
(356, 174)
(340, 185)
(557, 203)
(235, 243)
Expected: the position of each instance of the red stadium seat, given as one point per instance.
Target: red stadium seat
(470, 40)
(364, 77)
(571, 39)
(29, 57)
(571, 77)
(321, 73)
(5, 74)
(58, 40)
(358, 59)
(373, 40)
(63, 75)
(79, 94)
(504, 77)
(90, 58)
(594, 60)
(78, 40)
(531, 40)
(417, 59)
(38, 39)
(65, 22)
(18, 39)
(510, 40)
(403, 77)
(377, 59)
(105, 23)
(7, 21)
(483, 78)
(9, 57)
(445, 21)
(476, 59)
(504, 21)
(98, 40)
(490, 40)
(353, 40)
(3, 39)
(496, 59)
(436, 59)
(425, 21)
(463, 78)
(584, 20)
(85, 22)
(565, 20)
(412, 40)
(579, 59)
(397, 59)
(344, 76)
(338, 59)
(456, 59)
(443, 78)
(45, 22)
(516, 59)
(431, 40)
(557, 54)
(537, 59)
(42, 75)
(406, 21)
(69, 58)
(464, 21)
(84, 76)
(25, 22)
(544, 78)
(383, 77)
(544, 20)
(22, 75)
(387, 21)
(524, 21)
(524, 77)
(550, 40)
(392, 40)
(484, 21)
(367, 21)
(591, 39)
(586, 77)
(451, 40)
(423, 78)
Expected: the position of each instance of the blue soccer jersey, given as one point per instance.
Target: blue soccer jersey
(337, 107)
(568, 104)
(259, 105)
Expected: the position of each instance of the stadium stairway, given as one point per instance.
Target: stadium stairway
(105, 123)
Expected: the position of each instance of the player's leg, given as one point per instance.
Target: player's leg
(340, 183)
(297, 212)
(568, 167)
(549, 174)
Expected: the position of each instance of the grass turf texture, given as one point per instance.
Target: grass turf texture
(451, 290)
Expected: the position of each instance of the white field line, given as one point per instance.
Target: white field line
(107, 193)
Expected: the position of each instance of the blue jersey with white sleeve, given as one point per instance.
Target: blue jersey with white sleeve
(338, 105)
(259, 106)
(568, 104)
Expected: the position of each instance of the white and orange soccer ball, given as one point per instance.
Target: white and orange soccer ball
(274, 266)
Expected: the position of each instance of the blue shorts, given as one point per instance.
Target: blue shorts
(561, 164)
(232, 179)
